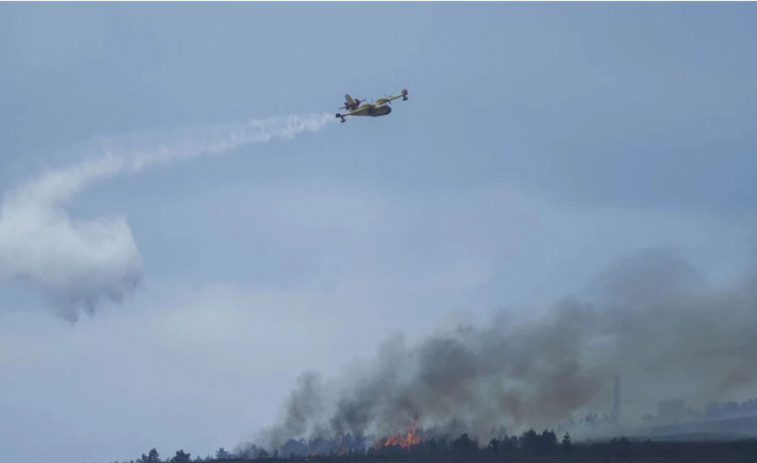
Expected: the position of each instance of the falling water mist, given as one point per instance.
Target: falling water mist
(80, 264)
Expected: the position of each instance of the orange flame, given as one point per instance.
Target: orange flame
(404, 441)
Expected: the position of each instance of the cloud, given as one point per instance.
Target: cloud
(79, 264)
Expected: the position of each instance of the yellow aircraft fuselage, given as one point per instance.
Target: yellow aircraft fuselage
(372, 110)
(379, 108)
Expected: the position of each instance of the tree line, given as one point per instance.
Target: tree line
(528, 447)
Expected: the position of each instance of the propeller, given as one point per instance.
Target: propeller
(346, 105)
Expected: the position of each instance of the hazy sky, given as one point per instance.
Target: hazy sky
(540, 143)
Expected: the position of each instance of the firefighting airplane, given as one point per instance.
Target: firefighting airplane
(379, 108)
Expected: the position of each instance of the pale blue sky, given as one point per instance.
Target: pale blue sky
(540, 143)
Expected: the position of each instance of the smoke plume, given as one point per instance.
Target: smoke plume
(652, 322)
(78, 264)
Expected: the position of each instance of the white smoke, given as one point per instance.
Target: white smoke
(653, 321)
(78, 264)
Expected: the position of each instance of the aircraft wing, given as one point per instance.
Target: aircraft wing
(402, 95)
(389, 99)
(356, 112)
(353, 112)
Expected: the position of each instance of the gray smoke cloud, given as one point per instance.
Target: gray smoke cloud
(652, 321)
(79, 264)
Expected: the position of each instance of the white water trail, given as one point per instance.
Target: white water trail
(78, 264)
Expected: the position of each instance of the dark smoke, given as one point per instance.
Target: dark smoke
(652, 321)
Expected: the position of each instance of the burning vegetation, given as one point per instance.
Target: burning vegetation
(652, 321)
(403, 441)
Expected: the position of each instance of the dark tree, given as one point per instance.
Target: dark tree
(541, 444)
(547, 441)
(493, 446)
(432, 447)
(464, 445)
(181, 457)
(151, 457)
(567, 445)
(508, 444)
(222, 454)
(529, 441)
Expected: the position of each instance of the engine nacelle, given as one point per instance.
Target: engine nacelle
(348, 107)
